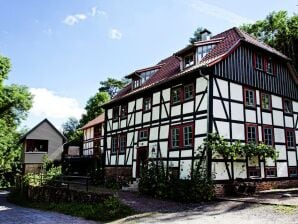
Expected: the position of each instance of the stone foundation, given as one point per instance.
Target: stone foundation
(118, 173)
(224, 190)
(32, 168)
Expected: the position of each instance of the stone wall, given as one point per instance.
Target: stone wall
(224, 189)
(118, 172)
(32, 168)
(58, 195)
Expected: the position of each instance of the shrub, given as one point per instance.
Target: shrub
(156, 183)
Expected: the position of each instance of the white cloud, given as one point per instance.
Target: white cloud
(115, 34)
(216, 11)
(49, 104)
(71, 20)
(95, 12)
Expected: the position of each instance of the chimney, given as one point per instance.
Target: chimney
(205, 34)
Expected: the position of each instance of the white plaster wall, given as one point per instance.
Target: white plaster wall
(292, 158)
(288, 122)
(166, 93)
(218, 109)
(156, 98)
(223, 129)
(186, 153)
(276, 102)
(201, 84)
(164, 131)
(121, 160)
(250, 116)
(110, 113)
(279, 135)
(282, 169)
(238, 131)
(138, 117)
(176, 110)
(185, 168)
(267, 118)
(220, 171)
(147, 117)
(174, 154)
(188, 107)
(282, 152)
(131, 106)
(239, 170)
(139, 105)
(236, 92)
(278, 118)
(237, 111)
(155, 113)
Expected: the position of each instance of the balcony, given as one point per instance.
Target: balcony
(34, 157)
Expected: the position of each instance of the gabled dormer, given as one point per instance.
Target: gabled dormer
(139, 77)
(193, 53)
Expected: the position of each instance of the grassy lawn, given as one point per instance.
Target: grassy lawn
(109, 210)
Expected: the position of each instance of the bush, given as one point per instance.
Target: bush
(156, 183)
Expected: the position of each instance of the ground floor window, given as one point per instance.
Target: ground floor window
(254, 171)
(292, 171)
(270, 171)
(268, 135)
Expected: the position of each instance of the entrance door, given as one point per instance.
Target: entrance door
(142, 160)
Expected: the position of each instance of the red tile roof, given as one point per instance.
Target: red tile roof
(169, 68)
(99, 119)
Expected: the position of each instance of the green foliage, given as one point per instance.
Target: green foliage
(279, 31)
(15, 101)
(112, 86)
(49, 173)
(197, 35)
(94, 107)
(72, 132)
(111, 209)
(156, 183)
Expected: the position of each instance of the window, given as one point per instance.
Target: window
(176, 95)
(114, 144)
(251, 133)
(265, 101)
(182, 93)
(188, 60)
(290, 139)
(292, 171)
(188, 92)
(175, 137)
(182, 136)
(269, 66)
(288, 108)
(187, 130)
(259, 61)
(254, 172)
(136, 83)
(203, 50)
(147, 104)
(268, 135)
(249, 98)
(122, 143)
(143, 134)
(270, 171)
(115, 113)
(36, 145)
(123, 112)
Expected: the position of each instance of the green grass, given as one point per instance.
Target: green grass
(286, 209)
(109, 210)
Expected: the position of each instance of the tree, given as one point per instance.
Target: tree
(72, 132)
(94, 106)
(112, 86)
(15, 101)
(279, 31)
(197, 36)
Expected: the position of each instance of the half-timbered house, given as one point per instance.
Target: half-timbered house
(229, 83)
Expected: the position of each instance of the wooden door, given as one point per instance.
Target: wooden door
(142, 160)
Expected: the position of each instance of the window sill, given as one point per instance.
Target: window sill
(266, 110)
(176, 103)
(146, 111)
(250, 107)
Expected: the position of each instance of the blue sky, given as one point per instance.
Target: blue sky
(61, 50)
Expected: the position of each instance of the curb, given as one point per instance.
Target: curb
(256, 202)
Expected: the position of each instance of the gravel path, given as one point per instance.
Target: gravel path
(226, 212)
(11, 214)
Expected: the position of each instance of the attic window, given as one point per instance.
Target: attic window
(259, 62)
(189, 60)
(136, 83)
(269, 66)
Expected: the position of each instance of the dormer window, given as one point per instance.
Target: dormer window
(189, 60)
(136, 83)
(269, 66)
(259, 62)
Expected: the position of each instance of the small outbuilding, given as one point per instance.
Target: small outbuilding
(42, 140)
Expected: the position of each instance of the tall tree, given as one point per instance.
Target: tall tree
(15, 101)
(94, 106)
(197, 35)
(72, 132)
(112, 86)
(279, 31)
